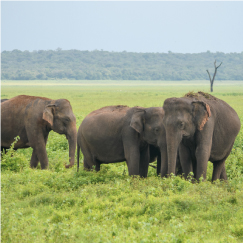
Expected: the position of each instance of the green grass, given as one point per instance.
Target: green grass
(60, 205)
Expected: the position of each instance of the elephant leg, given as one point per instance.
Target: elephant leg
(97, 164)
(144, 162)
(131, 146)
(97, 167)
(90, 162)
(34, 160)
(202, 153)
(185, 160)
(86, 165)
(179, 170)
(132, 155)
(203, 150)
(38, 142)
(164, 161)
(223, 175)
(219, 171)
(87, 155)
(42, 156)
(158, 164)
(202, 164)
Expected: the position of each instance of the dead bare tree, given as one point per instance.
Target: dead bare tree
(215, 71)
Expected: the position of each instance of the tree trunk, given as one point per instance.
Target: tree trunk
(215, 71)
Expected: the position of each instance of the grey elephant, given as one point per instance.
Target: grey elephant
(119, 133)
(204, 129)
(32, 118)
(2, 100)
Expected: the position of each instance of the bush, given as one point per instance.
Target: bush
(13, 160)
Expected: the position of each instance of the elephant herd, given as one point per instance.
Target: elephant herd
(182, 135)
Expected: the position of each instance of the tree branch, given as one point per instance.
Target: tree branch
(219, 65)
(216, 67)
(209, 76)
(215, 71)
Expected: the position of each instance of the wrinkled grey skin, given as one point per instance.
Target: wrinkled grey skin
(32, 118)
(204, 129)
(119, 133)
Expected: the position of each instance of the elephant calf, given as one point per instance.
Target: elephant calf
(32, 118)
(119, 133)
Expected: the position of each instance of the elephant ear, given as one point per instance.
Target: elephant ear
(201, 113)
(137, 121)
(48, 114)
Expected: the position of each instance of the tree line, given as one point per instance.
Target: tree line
(104, 65)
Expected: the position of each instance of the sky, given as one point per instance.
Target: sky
(158, 26)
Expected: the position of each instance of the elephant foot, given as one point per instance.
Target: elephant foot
(69, 166)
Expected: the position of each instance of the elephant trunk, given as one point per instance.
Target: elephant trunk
(164, 161)
(163, 156)
(173, 142)
(72, 141)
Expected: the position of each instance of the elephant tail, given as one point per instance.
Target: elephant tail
(78, 151)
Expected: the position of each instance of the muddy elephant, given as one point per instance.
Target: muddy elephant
(204, 129)
(119, 133)
(32, 118)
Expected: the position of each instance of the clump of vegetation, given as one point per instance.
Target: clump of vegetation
(191, 94)
(13, 160)
(197, 95)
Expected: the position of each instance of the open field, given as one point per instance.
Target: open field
(61, 205)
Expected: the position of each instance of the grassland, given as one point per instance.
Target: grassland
(60, 205)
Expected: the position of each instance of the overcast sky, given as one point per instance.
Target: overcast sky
(182, 27)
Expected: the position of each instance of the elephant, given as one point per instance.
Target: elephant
(120, 133)
(204, 129)
(32, 118)
(2, 100)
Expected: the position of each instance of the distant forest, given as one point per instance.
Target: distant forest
(104, 65)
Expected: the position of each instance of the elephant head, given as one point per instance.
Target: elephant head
(61, 119)
(149, 123)
(182, 118)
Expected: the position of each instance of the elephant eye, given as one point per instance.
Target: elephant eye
(181, 125)
(156, 129)
(66, 119)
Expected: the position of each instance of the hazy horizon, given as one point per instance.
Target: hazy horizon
(123, 51)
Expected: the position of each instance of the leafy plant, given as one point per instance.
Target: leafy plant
(12, 160)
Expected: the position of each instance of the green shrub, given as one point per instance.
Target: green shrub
(13, 160)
